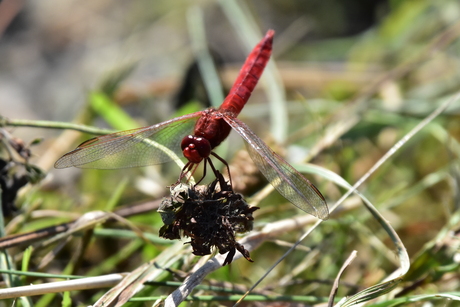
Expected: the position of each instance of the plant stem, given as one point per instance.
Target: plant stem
(52, 125)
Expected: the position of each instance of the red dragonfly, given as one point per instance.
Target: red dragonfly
(154, 144)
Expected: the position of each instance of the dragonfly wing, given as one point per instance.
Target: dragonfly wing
(132, 148)
(284, 178)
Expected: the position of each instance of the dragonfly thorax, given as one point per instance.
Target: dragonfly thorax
(195, 148)
(212, 127)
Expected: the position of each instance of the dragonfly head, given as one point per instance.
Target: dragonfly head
(195, 148)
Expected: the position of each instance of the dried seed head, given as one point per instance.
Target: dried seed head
(209, 215)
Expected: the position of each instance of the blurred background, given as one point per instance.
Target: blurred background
(349, 79)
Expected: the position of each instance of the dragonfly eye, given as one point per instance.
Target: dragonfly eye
(195, 149)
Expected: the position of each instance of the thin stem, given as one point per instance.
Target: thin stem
(52, 125)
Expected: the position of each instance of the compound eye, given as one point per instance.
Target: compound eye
(203, 147)
(186, 141)
(195, 148)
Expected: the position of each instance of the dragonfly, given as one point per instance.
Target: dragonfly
(195, 135)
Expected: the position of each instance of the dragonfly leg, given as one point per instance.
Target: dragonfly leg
(204, 171)
(187, 168)
(224, 162)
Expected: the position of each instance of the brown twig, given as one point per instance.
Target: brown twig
(34, 236)
(335, 286)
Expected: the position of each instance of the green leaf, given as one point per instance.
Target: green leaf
(111, 112)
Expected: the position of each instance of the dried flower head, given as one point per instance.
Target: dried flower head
(15, 170)
(209, 215)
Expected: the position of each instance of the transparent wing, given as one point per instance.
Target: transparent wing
(286, 179)
(131, 148)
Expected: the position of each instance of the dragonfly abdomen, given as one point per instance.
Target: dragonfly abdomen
(248, 76)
